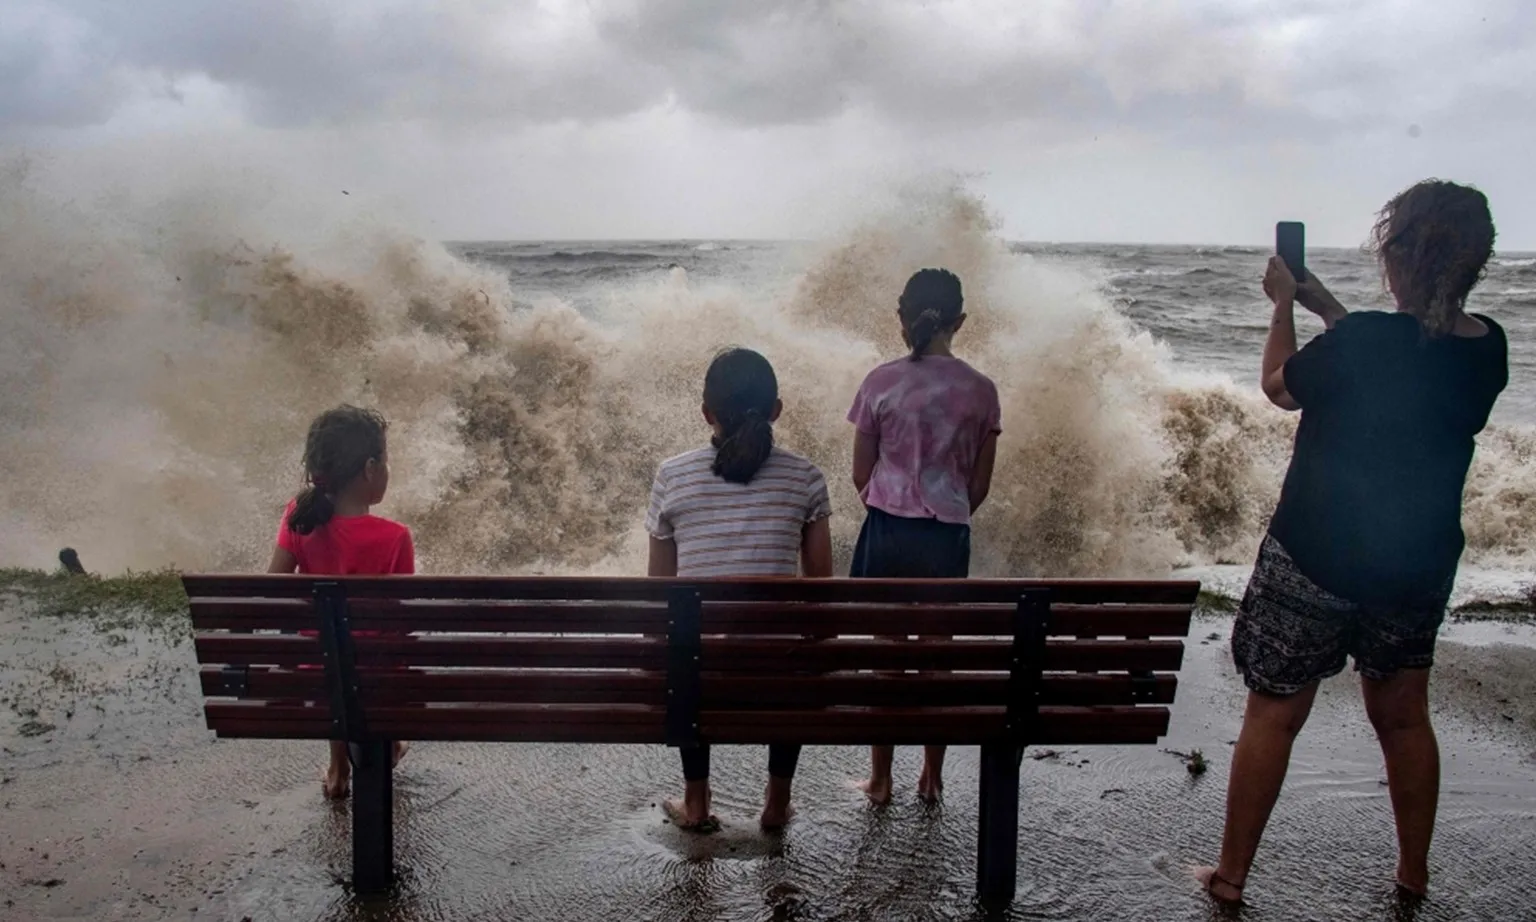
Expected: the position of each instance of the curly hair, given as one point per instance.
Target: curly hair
(1434, 240)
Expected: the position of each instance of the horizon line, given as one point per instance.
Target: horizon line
(533, 241)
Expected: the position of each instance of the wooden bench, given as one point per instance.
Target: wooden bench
(679, 662)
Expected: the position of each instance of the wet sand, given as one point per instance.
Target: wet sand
(116, 803)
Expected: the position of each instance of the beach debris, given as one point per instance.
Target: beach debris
(1109, 791)
(47, 884)
(35, 728)
(1040, 755)
(1194, 760)
(71, 562)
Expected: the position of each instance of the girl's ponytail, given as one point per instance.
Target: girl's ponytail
(922, 331)
(312, 508)
(741, 451)
(741, 392)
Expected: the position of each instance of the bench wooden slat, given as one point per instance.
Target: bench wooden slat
(1093, 592)
(927, 690)
(722, 618)
(1085, 621)
(919, 726)
(382, 614)
(596, 687)
(610, 724)
(393, 687)
(525, 652)
(790, 655)
(958, 619)
(747, 655)
(505, 723)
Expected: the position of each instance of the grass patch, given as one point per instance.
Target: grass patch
(1211, 602)
(1518, 608)
(155, 600)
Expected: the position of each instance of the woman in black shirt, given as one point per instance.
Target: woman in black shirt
(1362, 550)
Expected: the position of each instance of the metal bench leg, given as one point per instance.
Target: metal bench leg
(997, 847)
(373, 827)
(997, 826)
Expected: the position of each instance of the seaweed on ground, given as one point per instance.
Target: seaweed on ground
(1211, 602)
(154, 601)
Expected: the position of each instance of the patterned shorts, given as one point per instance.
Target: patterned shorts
(1290, 632)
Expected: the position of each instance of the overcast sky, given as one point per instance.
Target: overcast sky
(1105, 120)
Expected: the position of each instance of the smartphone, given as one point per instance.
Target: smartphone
(1291, 246)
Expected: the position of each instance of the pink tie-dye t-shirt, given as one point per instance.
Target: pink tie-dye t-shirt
(931, 417)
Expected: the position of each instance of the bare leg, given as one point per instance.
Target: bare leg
(1399, 710)
(878, 787)
(338, 775)
(1259, 764)
(776, 809)
(930, 784)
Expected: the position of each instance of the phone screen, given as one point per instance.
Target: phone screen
(1291, 246)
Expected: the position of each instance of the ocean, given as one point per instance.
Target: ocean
(158, 374)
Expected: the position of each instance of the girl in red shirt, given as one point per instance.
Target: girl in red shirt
(327, 530)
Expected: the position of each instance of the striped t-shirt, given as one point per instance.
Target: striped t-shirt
(736, 529)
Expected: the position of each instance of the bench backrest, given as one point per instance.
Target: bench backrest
(679, 661)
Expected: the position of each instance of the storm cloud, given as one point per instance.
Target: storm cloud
(768, 62)
(813, 87)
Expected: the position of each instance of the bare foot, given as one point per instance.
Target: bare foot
(1411, 892)
(337, 781)
(401, 748)
(777, 810)
(1221, 889)
(699, 821)
(930, 789)
(878, 792)
(774, 819)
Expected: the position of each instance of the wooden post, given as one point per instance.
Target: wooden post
(373, 815)
(997, 826)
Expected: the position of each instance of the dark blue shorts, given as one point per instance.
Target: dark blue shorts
(893, 547)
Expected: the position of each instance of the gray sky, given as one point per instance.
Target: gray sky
(1157, 121)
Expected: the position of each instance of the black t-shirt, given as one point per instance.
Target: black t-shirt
(1371, 507)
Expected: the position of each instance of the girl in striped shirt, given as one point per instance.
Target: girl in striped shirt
(742, 507)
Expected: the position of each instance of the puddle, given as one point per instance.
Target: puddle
(126, 809)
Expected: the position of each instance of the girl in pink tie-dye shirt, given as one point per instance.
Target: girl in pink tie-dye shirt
(926, 438)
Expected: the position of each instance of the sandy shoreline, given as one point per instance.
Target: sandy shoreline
(117, 804)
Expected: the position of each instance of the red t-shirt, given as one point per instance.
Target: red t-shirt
(358, 545)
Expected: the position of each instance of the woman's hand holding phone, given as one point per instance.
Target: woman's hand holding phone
(1279, 284)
